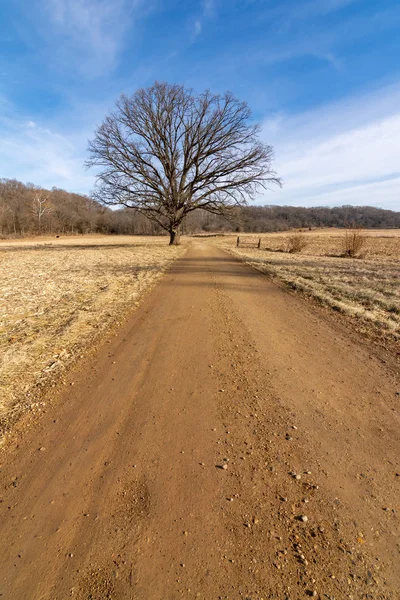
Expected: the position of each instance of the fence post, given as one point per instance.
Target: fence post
(237, 242)
(259, 243)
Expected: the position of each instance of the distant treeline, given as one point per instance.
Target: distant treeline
(30, 210)
(281, 218)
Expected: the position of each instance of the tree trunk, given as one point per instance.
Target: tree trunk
(174, 236)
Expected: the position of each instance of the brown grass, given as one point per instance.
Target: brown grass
(366, 289)
(57, 296)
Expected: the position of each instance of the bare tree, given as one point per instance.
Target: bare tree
(40, 206)
(167, 151)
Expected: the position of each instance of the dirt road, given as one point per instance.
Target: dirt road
(228, 442)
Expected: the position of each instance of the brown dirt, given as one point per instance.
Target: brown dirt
(118, 491)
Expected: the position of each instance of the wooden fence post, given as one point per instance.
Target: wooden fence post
(237, 242)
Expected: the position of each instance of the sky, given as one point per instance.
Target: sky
(322, 77)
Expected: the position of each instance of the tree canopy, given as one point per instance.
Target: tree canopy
(167, 151)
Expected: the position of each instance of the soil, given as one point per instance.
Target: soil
(228, 442)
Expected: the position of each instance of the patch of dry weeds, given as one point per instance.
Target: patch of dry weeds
(57, 296)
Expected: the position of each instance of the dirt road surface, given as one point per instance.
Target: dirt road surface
(230, 441)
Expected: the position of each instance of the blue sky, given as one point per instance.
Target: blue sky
(321, 76)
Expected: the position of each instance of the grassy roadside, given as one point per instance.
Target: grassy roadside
(365, 289)
(57, 296)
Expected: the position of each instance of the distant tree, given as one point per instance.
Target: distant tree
(167, 151)
(40, 206)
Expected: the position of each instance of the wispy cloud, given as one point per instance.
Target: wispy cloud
(291, 39)
(384, 194)
(35, 153)
(209, 7)
(343, 153)
(315, 8)
(87, 35)
(207, 11)
(197, 28)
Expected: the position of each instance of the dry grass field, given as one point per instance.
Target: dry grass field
(57, 296)
(366, 288)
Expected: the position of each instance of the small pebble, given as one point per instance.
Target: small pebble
(304, 518)
(224, 466)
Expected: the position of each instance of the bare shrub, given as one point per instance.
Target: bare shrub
(295, 243)
(353, 242)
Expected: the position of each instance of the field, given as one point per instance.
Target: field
(57, 296)
(365, 288)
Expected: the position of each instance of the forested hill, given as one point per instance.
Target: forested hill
(26, 209)
(277, 218)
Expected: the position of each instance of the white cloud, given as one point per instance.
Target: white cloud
(197, 28)
(291, 37)
(345, 153)
(208, 7)
(207, 12)
(384, 194)
(315, 8)
(87, 35)
(31, 152)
